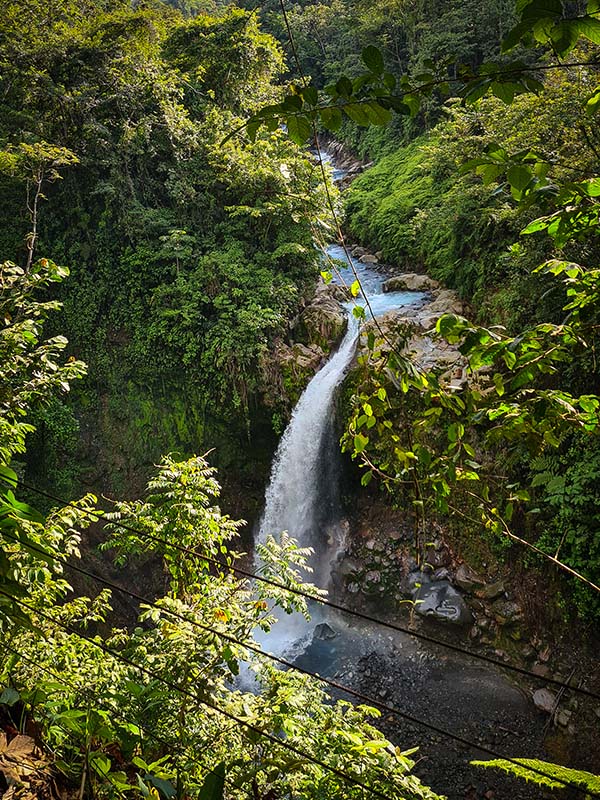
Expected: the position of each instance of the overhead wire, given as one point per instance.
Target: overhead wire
(321, 600)
(170, 745)
(201, 701)
(279, 660)
(283, 662)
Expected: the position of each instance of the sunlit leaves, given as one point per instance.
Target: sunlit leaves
(545, 22)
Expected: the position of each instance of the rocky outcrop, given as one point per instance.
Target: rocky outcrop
(410, 282)
(441, 601)
(323, 322)
(345, 161)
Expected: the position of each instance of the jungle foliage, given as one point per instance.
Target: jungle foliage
(152, 711)
(187, 256)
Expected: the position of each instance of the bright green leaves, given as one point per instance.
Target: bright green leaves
(577, 215)
(503, 80)
(366, 99)
(360, 442)
(525, 171)
(544, 773)
(544, 22)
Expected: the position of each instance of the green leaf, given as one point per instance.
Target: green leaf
(514, 36)
(344, 86)
(331, 117)
(542, 9)
(519, 176)
(355, 289)
(299, 128)
(214, 784)
(252, 127)
(593, 103)
(310, 95)
(143, 788)
(504, 91)
(165, 788)
(564, 35)
(9, 696)
(357, 113)
(360, 442)
(373, 59)
(590, 28)
(376, 114)
(8, 475)
(366, 478)
(475, 90)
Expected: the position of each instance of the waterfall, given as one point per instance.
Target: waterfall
(294, 497)
(302, 491)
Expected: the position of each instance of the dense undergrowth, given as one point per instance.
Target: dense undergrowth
(188, 256)
(425, 213)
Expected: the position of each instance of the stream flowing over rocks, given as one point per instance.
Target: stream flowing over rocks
(364, 557)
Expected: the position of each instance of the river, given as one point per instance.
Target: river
(451, 691)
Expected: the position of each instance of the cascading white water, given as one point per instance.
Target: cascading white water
(298, 498)
(292, 497)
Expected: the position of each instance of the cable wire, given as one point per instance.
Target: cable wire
(288, 664)
(322, 601)
(358, 695)
(171, 746)
(201, 701)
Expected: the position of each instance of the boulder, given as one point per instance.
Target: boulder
(446, 301)
(506, 612)
(323, 322)
(492, 590)
(411, 582)
(324, 631)
(443, 602)
(410, 282)
(564, 717)
(306, 358)
(544, 700)
(369, 259)
(467, 579)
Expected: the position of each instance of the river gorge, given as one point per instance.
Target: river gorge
(364, 559)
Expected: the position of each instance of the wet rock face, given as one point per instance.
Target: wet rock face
(323, 322)
(443, 602)
(324, 632)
